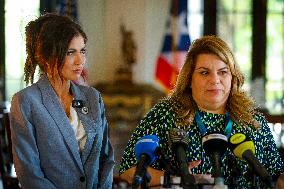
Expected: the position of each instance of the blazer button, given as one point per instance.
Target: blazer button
(82, 179)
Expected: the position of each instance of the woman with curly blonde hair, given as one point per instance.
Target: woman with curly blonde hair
(240, 106)
(207, 102)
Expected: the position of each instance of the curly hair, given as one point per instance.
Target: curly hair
(240, 106)
(47, 41)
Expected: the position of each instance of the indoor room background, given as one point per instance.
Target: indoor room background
(254, 29)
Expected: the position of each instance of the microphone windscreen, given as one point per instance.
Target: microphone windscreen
(147, 145)
(178, 136)
(214, 142)
(239, 143)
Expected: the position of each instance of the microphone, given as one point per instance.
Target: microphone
(215, 144)
(244, 149)
(145, 152)
(179, 142)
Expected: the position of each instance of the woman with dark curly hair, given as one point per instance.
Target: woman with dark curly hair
(59, 129)
(208, 103)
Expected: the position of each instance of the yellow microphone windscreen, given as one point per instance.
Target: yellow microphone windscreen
(240, 144)
(241, 148)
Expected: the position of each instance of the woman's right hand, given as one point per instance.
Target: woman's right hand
(193, 164)
(280, 182)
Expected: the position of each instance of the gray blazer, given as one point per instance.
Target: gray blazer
(45, 150)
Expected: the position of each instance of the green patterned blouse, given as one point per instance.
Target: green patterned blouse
(161, 119)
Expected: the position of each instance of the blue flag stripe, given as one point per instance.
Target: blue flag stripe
(183, 36)
(68, 8)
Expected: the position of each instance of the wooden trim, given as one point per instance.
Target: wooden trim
(210, 17)
(2, 51)
(259, 12)
(274, 118)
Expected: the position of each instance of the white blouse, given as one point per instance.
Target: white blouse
(78, 128)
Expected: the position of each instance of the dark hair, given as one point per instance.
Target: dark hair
(47, 41)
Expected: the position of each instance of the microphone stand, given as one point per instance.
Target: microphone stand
(179, 142)
(218, 179)
(219, 183)
(146, 180)
(235, 171)
(187, 179)
(141, 177)
(251, 175)
(143, 183)
(167, 180)
(169, 169)
(216, 159)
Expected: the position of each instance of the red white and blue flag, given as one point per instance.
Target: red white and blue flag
(68, 8)
(175, 46)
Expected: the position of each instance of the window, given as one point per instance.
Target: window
(275, 57)
(234, 26)
(17, 15)
(195, 19)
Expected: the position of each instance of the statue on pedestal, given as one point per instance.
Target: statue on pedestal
(128, 48)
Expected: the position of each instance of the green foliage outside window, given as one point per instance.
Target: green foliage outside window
(234, 25)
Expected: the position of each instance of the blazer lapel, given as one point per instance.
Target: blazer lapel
(54, 107)
(88, 119)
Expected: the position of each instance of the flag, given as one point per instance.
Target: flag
(175, 45)
(68, 8)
